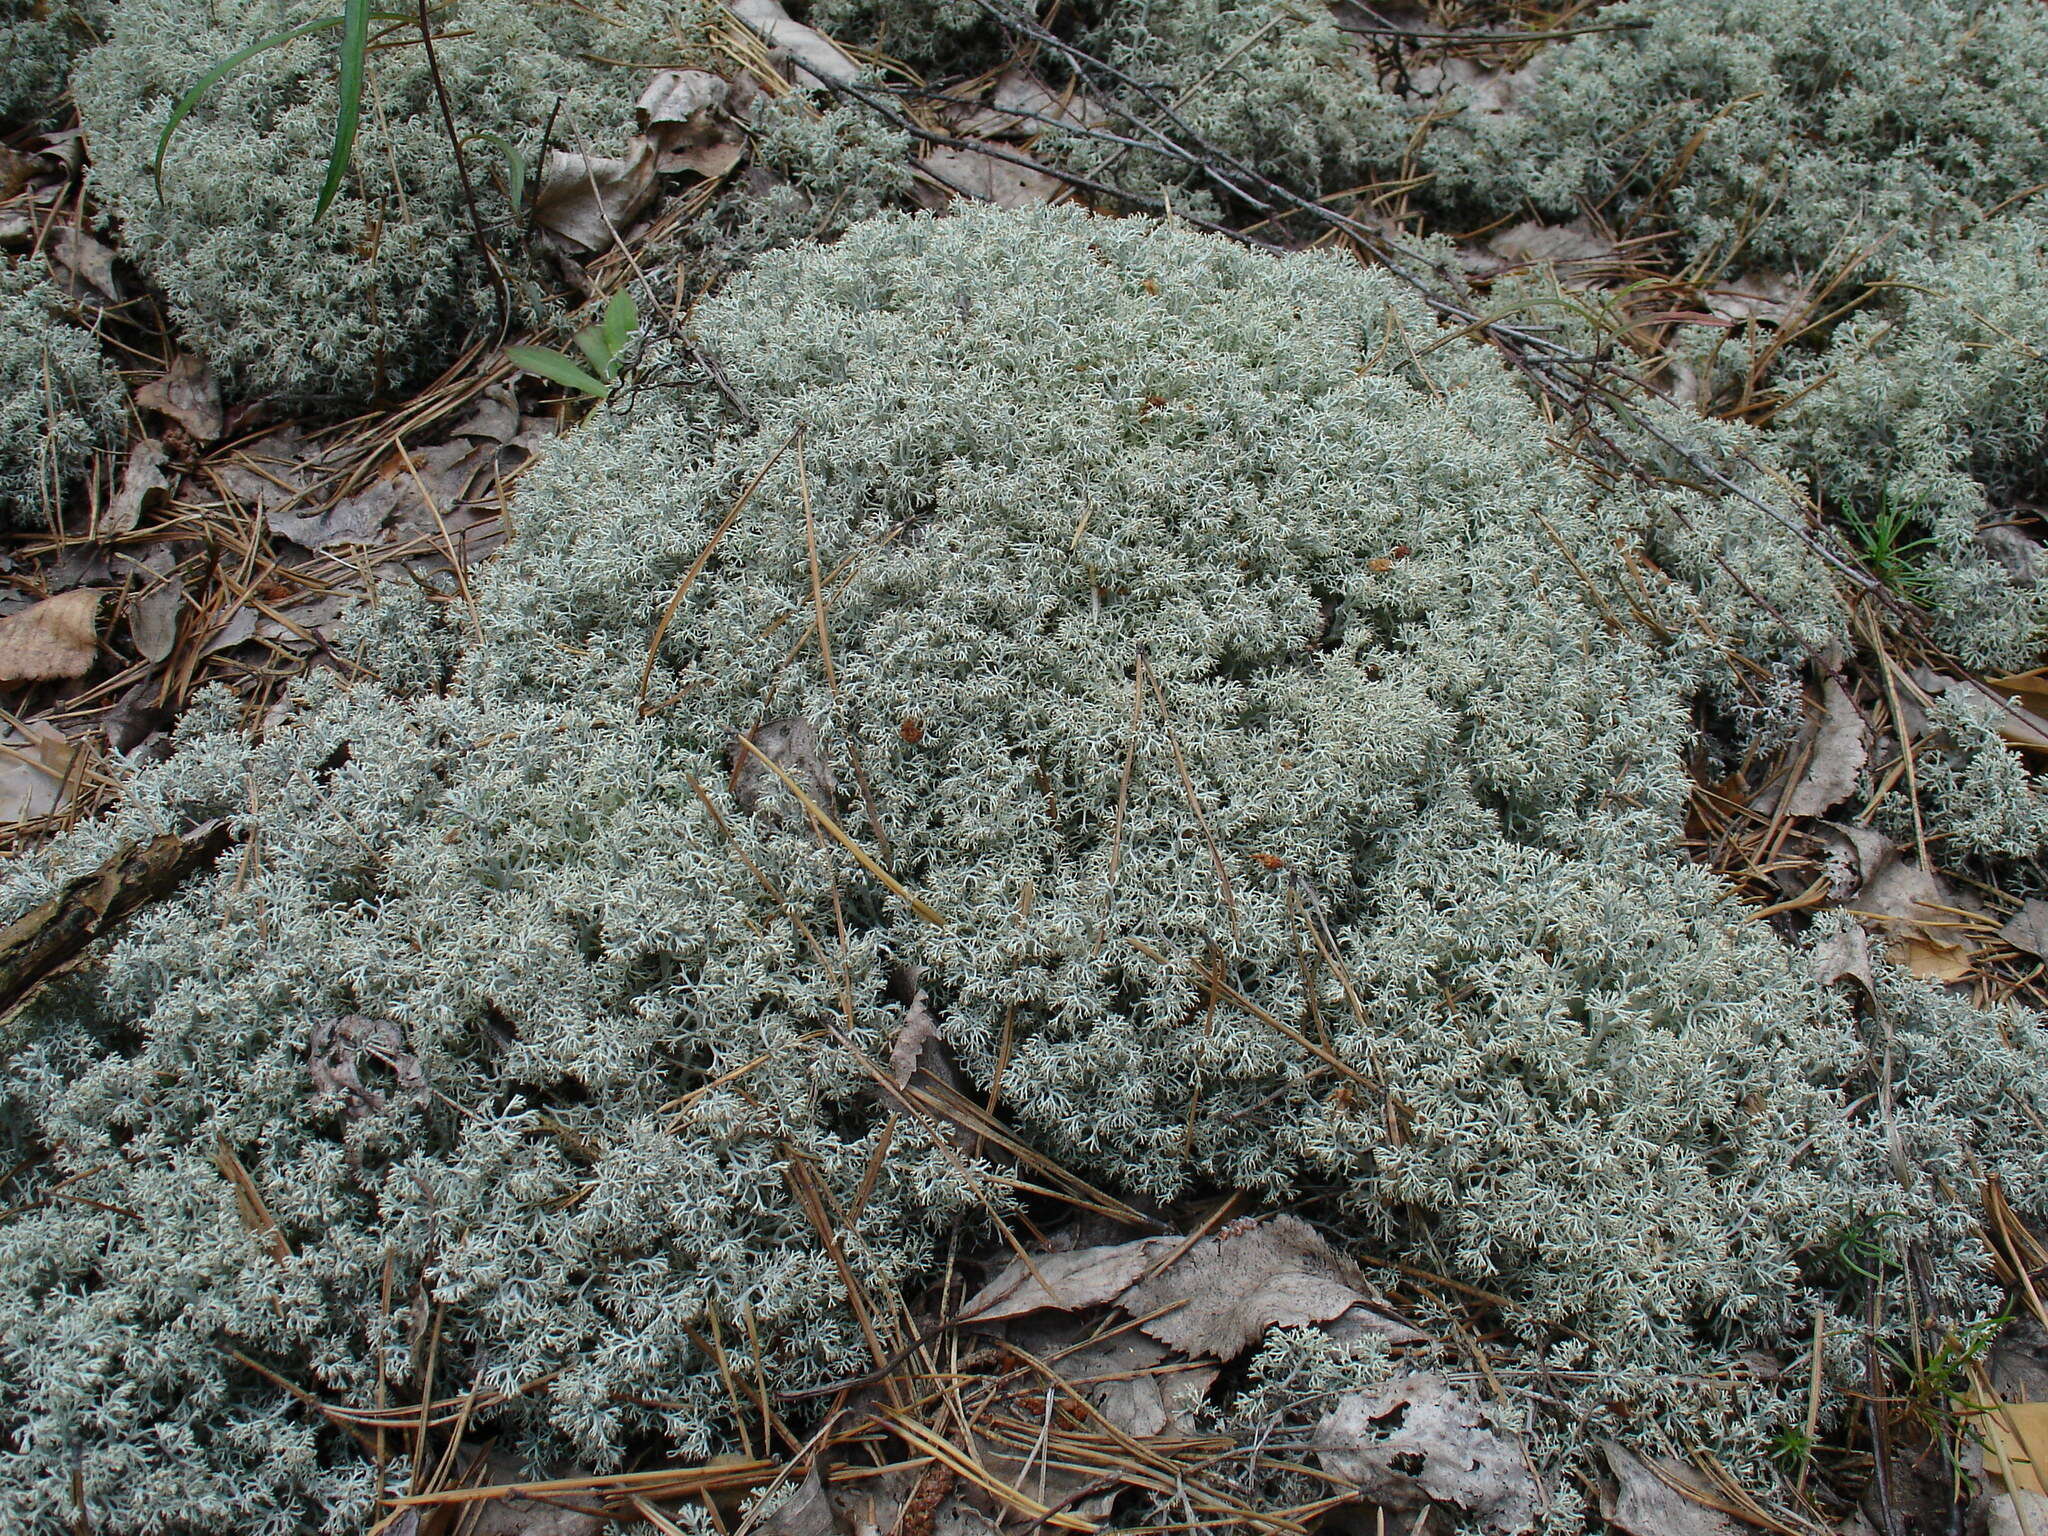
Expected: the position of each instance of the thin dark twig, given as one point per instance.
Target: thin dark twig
(500, 289)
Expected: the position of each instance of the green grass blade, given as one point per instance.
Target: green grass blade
(213, 77)
(621, 318)
(515, 165)
(556, 368)
(591, 343)
(355, 47)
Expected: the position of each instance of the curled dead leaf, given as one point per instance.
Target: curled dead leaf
(588, 201)
(334, 1061)
(54, 638)
(1417, 1441)
(189, 395)
(794, 746)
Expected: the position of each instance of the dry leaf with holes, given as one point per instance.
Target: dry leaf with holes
(54, 638)
(990, 178)
(587, 202)
(1648, 1497)
(189, 395)
(1227, 1290)
(1417, 1441)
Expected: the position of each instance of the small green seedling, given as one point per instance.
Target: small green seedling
(603, 345)
(1889, 546)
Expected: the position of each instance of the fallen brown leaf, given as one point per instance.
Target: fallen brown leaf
(588, 201)
(2016, 1445)
(986, 178)
(143, 486)
(334, 1060)
(794, 746)
(1416, 1441)
(1844, 956)
(1834, 748)
(153, 614)
(1647, 1497)
(811, 54)
(2027, 930)
(54, 638)
(1227, 1290)
(1083, 1277)
(35, 770)
(1529, 243)
(806, 1512)
(189, 395)
(1933, 960)
(84, 266)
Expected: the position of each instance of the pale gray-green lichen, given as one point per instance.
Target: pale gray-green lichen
(1083, 493)
(1799, 132)
(382, 292)
(1932, 404)
(39, 39)
(60, 401)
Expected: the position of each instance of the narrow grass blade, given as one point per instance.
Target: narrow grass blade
(214, 76)
(558, 369)
(348, 115)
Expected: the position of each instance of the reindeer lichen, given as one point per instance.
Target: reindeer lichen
(1220, 655)
(60, 402)
(384, 290)
(1773, 131)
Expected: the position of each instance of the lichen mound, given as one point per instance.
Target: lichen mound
(1774, 131)
(1221, 659)
(1932, 404)
(382, 292)
(59, 400)
(38, 41)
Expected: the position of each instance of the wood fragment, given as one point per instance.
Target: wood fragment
(47, 939)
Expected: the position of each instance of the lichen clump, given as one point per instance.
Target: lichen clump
(60, 402)
(1931, 406)
(382, 292)
(1151, 599)
(38, 41)
(1798, 132)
